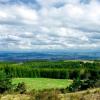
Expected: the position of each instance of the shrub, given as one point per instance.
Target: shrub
(21, 88)
(78, 85)
(97, 83)
(5, 82)
(75, 86)
(87, 84)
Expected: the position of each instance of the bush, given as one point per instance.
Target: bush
(78, 85)
(88, 84)
(97, 84)
(21, 88)
(75, 86)
(5, 82)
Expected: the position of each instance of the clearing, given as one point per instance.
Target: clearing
(43, 83)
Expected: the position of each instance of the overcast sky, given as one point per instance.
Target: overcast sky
(49, 24)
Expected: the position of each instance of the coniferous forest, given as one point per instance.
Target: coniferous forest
(52, 69)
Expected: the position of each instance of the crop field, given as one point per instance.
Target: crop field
(42, 83)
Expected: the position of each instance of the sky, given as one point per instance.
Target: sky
(49, 25)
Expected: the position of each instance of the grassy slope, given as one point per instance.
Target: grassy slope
(42, 83)
(90, 94)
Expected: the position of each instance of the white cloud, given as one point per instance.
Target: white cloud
(58, 24)
(26, 14)
(18, 14)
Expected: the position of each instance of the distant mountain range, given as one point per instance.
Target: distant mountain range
(25, 56)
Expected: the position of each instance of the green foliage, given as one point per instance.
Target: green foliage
(75, 86)
(97, 83)
(5, 82)
(21, 88)
(53, 69)
(78, 85)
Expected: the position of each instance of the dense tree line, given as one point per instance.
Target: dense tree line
(53, 69)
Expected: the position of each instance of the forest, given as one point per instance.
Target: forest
(52, 69)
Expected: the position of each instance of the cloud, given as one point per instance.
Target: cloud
(17, 14)
(56, 24)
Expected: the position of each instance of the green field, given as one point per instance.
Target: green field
(42, 83)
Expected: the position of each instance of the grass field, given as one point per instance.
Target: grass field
(42, 83)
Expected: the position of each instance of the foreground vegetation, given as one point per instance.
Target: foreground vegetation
(90, 94)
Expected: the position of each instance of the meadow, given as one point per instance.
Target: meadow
(43, 83)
